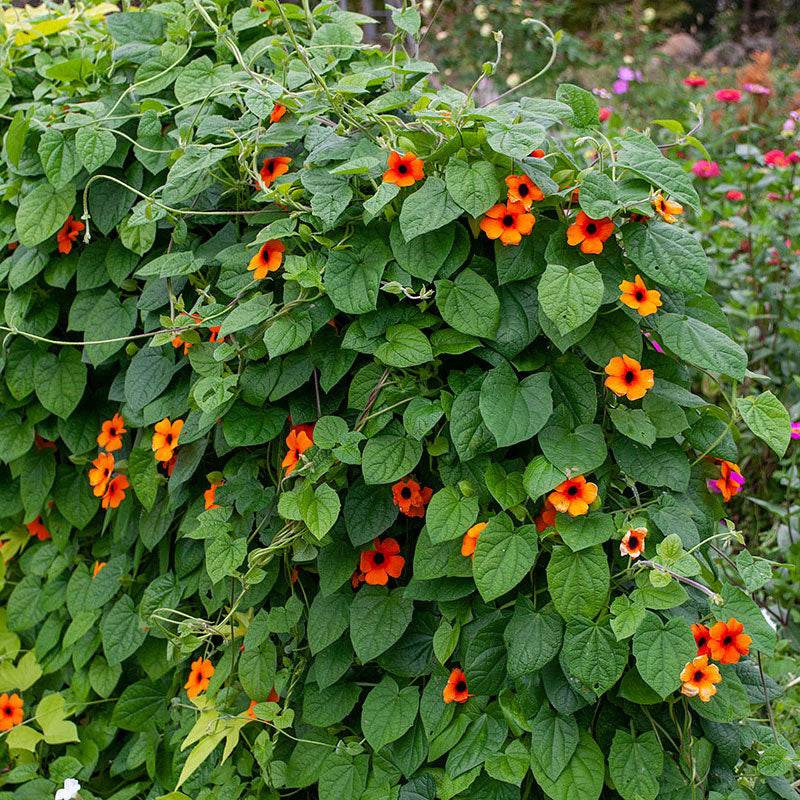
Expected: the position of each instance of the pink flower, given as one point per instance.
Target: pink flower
(774, 196)
(757, 88)
(728, 95)
(734, 194)
(793, 157)
(695, 81)
(776, 158)
(706, 169)
(796, 430)
(605, 113)
(656, 346)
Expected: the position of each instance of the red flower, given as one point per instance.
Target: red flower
(734, 194)
(632, 543)
(209, 495)
(695, 81)
(728, 95)
(11, 712)
(101, 474)
(165, 439)
(546, 517)
(37, 529)
(199, 677)
(68, 234)
(521, 189)
(573, 496)
(604, 114)
(589, 233)
(410, 498)
(456, 689)
(699, 677)
(508, 223)
(538, 153)
(776, 158)
(380, 564)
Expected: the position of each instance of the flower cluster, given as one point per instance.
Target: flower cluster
(724, 642)
(110, 487)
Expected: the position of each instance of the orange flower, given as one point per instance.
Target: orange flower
(538, 153)
(456, 689)
(637, 296)
(12, 246)
(110, 436)
(300, 438)
(210, 495)
(277, 112)
(410, 498)
(470, 540)
(170, 465)
(632, 543)
(165, 439)
(589, 233)
(573, 496)
(403, 170)
(115, 493)
(727, 642)
(380, 564)
(98, 565)
(356, 578)
(701, 637)
(267, 259)
(273, 168)
(508, 223)
(699, 677)
(627, 378)
(42, 444)
(214, 330)
(68, 234)
(101, 474)
(521, 189)
(11, 712)
(250, 713)
(668, 209)
(37, 529)
(546, 517)
(272, 697)
(199, 677)
(731, 481)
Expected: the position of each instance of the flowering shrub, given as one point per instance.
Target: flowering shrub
(347, 438)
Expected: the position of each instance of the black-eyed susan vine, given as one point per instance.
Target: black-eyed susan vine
(348, 435)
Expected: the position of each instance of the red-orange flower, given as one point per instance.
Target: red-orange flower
(573, 496)
(731, 481)
(727, 642)
(456, 689)
(699, 677)
(101, 474)
(115, 493)
(177, 340)
(214, 330)
(98, 565)
(589, 233)
(11, 712)
(382, 563)
(44, 444)
(277, 112)
(356, 578)
(267, 259)
(273, 168)
(546, 518)
(668, 209)
(165, 439)
(508, 223)
(470, 540)
(110, 436)
(410, 498)
(538, 153)
(701, 637)
(68, 234)
(300, 438)
(632, 543)
(209, 495)
(627, 378)
(199, 677)
(403, 170)
(521, 189)
(37, 529)
(637, 296)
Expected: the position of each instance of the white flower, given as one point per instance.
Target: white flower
(486, 29)
(513, 79)
(648, 15)
(70, 790)
(481, 12)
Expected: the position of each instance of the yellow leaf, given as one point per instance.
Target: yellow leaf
(28, 671)
(51, 718)
(200, 753)
(23, 737)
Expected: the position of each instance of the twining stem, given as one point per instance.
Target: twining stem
(704, 589)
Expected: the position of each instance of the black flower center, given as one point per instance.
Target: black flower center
(402, 169)
(378, 558)
(7, 711)
(169, 438)
(728, 640)
(630, 376)
(633, 543)
(523, 190)
(461, 686)
(573, 490)
(639, 296)
(269, 166)
(591, 229)
(405, 493)
(112, 431)
(508, 220)
(701, 642)
(698, 676)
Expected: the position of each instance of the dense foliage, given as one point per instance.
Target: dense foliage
(348, 439)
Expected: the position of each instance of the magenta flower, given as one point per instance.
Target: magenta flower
(620, 87)
(776, 158)
(796, 430)
(757, 88)
(706, 169)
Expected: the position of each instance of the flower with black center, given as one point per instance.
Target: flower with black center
(267, 259)
(273, 168)
(382, 563)
(632, 543)
(101, 474)
(110, 436)
(667, 209)
(37, 529)
(68, 234)
(699, 677)
(701, 637)
(470, 540)
(199, 677)
(508, 223)
(573, 496)
(410, 497)
(456, 688)
(589, 233)
(115, 493)
(403, 170)
(727, 641)
(521, 189)
(300, 438)
(626, 378)
(637, 296)
(731, 481)
(11, 712)
(165, 439)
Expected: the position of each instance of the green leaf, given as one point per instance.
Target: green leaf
(109, 319)
(636, 764)
(388, 458)
(468, 431)
(257, 666)
(95, 147)
(353, 276)
(582, 776)
(122, 631)
(578, 582)
(634, 424)
(428, 208)
(328, 619)
(556, 737)
(138, 706)
(515, 140)
(628, 616)
(15, 136)
(580, 450)
(320, 510)
(511, 765)
(533, 638)
(593, 654)
(251, 312)
(420, 415)
(540, 477)
(42, 212)
(599, 195)
(569, 298)
(60, 381)
(767, 418)
(473, 186)
(484, 736)
(755, 572)
(424, 255)
(59, 158)
(377, 620)
(503, 556)
(388, 712)
(450, 514)
(469, 304)
(668, 254)
(515, 411)
(585, 531)
(16, 436)
(405, 346)
(662, 650)
(507, 489)
(170, 265)
(663, 464)
(585, 111)
(343, 775)
(223, 555)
